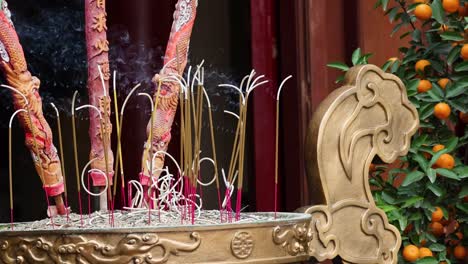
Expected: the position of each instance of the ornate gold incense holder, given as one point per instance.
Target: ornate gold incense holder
(283, 240)
(370, 115)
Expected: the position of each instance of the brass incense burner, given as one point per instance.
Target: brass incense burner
(370, 115)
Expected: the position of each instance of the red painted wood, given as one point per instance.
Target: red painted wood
(264, 61)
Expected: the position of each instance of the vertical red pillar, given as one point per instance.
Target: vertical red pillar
(264, 61)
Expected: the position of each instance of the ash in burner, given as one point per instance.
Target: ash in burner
(136, 219)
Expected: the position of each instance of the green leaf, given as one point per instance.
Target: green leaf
(413, 84)
(438, 11)
(452, 36)
(388, 198)
(384, 4)
(387, 208)
(437, 156)
(416, 35)
(392, 13)
(412, 201)
(447, 174)
(364, 59)
(457, 88)
(453, 55)
(451, 144)
(396, 28)
(431, 174)
(435, 189)
(434, 94)
(338, 65)
(462, 171)
(458, 105)
(412, 177)
(462, 66)
(356, 55)
(339, 79)
(426, 111)
(427, 260)
(463, 192)
(423, 164)
(386, 65)
(463, 207)
(437, 247)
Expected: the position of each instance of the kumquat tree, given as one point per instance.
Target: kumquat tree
(425, 193)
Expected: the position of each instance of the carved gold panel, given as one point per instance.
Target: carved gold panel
(221, 243)
(370, 115)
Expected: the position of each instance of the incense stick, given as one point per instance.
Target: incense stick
(119, 151)
(59, 128)
(75, 154)
(10, 166)
(213, 148)
(276, 140)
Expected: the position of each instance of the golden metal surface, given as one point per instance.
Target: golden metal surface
(370, 115)
(223, 243)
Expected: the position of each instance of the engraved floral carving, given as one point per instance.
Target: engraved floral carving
(370, 115)
(133, 248)
(242, 244)
(293, 239)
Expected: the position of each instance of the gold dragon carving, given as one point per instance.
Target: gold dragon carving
(133, 248)
(370, 115)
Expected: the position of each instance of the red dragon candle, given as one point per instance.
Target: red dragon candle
(38, 134)
(176, 60)
(97, 51)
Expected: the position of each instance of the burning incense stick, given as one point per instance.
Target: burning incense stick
(75, 154)
(276, 140)
(213, 147)
(243, 118)
(10, 166)
(147, 150)
(119, 150)
(59, 128)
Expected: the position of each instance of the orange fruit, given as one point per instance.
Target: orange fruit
(437, 215)
(423, 12)
(436, 228)
(425, 252)
(411, 253)
(459, 252)
(451, 5)
(424, 86)
(463, 117)
(459, 235)
(419, 1)
(438, 147)
(371, 168)
(443, 82)
(445, 161)
(464, 52)
(442, 110)
(421, 64)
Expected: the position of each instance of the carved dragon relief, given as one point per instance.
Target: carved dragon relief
(370, 115)
(133, 248)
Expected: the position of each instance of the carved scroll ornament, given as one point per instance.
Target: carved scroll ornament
(133, 248)
(370, 115)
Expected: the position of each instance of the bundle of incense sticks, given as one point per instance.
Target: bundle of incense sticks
(193, 97)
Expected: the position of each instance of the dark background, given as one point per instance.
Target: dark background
(52, 36)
